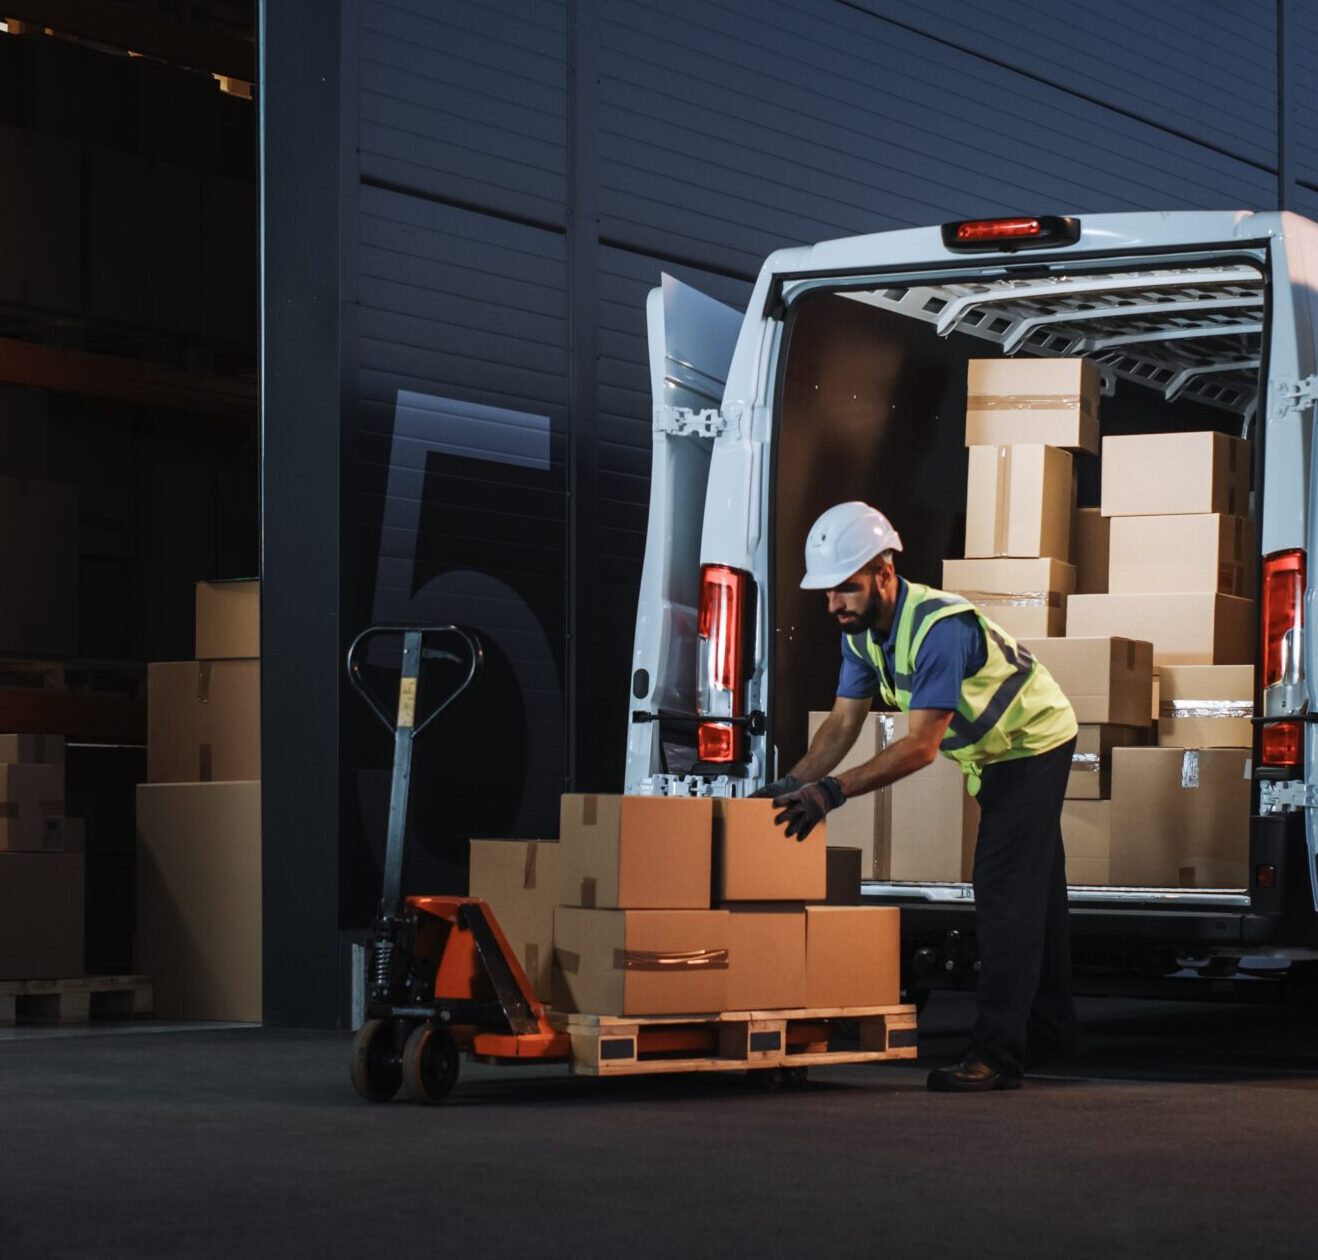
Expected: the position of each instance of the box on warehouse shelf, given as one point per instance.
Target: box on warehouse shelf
(756, 860)
(1107, 679)
(1171, 474)
(641, 962)
(517, 879)
(203, 721)
(852, 956)
(1025, 597)
(1206, 706)
(1180, 817)
(229, 620)
(1090, 546)
(766, 956)
(1091, 763)
(42, 916)
(1087, 839)
(1053, 402)
(635, 852)
(1195, 553)
(1019, 501)
(31, 808)
(1185, 628)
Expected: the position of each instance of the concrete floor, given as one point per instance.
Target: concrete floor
(1188, 1130)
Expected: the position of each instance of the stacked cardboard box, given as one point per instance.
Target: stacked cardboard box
(199, 817)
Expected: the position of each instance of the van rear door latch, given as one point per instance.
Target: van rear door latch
(1287, 795)
(685, 422)
(1296, 395)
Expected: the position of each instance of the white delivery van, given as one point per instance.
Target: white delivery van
(845, 379)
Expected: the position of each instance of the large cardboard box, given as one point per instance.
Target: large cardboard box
(860, 822)
(766, 956)
(1204, 553)
(930, 823)
(852, 956)
(28, 749)
(1180, 817)
(31, 808)
(1168, 474)
(635, 852)
(1025, 597)
(1185, 628)
(1206, 706)
(228, 620)
(1107, 679)
(1091, 763)
(756, 860)
(641, 962)
(518, 878)
(1049, 401)
(203, 721)
(1019, 501)
(199, 898)
(38, 567)
(42, 915)
(1087, 839)
(1090, 545)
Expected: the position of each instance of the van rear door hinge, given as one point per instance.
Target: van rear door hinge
(684, 422)
(1289, 794)
(1297, 395)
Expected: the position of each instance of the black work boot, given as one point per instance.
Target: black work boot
(972, 1075)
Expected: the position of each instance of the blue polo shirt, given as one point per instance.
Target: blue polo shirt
(953, 650)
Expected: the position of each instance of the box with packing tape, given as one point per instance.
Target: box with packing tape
(1091, 763)
(1047, 401)
(1019, 501)
(1206, 706)
(1173, 474)
(1185, 628)
(228, 619)
(1108, 679)
(31, 808)
(203, 721)
(635, 852)
(517, 879)
(1210, 554)
(756, 860)
(1024, 597)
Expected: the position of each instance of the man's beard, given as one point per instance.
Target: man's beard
(866, 619)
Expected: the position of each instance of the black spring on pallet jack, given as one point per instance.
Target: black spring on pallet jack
(383, 965)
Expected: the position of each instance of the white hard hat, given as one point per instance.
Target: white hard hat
(842, 541)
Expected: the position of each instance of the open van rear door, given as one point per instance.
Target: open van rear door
(692, 338)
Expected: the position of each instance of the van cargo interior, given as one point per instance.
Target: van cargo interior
(872, 401)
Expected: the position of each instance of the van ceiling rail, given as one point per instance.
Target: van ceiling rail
(1171, 334)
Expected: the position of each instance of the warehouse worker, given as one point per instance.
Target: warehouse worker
(975, 695)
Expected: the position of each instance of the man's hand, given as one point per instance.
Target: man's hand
(806, 806)
(779, 787)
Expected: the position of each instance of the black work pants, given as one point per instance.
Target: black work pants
(1022, 919)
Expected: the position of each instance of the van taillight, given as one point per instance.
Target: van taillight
(1283, 667)
(721, 661)
(1022, 231)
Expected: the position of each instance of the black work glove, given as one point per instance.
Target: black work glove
(779, 787)
(806, 806)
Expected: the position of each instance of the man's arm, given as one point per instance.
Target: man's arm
(833, 740)
(915, 750)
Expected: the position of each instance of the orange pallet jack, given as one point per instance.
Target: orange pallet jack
(442, 977)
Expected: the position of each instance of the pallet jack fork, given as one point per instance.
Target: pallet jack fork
(442, 977)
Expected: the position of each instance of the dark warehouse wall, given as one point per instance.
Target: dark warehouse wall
(510, 177)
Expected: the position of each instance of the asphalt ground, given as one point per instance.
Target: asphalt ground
(1186, 1130)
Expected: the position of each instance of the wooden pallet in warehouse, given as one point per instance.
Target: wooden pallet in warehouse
(626, 1045)
(75, 1001)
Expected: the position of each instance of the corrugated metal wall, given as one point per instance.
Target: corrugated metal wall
(528, 168)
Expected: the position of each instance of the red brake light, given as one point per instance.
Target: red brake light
(1021, 231)
(716, 741)
(721, 650)
(1282, 745)
(1282, 628)
(996, 229)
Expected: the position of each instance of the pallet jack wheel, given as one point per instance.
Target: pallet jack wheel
(374, 1065)
(430, 1063)
(771, 1080)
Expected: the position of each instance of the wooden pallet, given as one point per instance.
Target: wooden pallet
(623, 1045)
(75, 1001)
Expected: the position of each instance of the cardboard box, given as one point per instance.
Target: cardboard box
(1024, 597)
(1184, 628)
(635, 852)
(1203, 553)
(38, 567)
(641, 962)
(31, 808)
(766, 957)
(852, 956)
(42, 914)
(32, 749)
(1019, 501)
(756, 860)
(1091, 763)
(1206, 706)
(229, 620)
(518, 878)
(1180, 817)
(860, 823)
(1087, 839)
(1170, 474)
(1107, 679)
(1053, 402)
(203, 721)
(930, 822)
(199, 898)
(844, 876)
(1090, 545)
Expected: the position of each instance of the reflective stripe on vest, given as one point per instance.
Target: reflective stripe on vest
(1010, 708)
